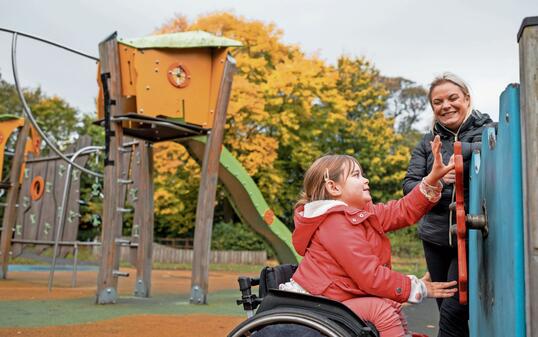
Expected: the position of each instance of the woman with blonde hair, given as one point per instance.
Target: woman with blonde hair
(454, 120)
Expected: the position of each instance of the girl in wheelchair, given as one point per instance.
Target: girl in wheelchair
(346, 255)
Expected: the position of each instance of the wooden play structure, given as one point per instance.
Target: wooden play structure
(152, 89)
(498, 277)
(27, 145)
(40, 202)
(157, 88)
(36, 199)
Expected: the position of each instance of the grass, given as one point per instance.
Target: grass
(404, 264)
(409, 265)
(85, 255)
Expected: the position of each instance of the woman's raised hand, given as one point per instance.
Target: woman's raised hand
(450, 177)
(439, 169)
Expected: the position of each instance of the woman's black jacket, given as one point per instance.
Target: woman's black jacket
(434, 226)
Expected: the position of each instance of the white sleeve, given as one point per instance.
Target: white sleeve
(418, 290)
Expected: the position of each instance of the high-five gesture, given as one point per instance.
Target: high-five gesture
(439, 169)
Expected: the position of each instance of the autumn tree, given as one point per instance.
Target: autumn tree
(288, 108)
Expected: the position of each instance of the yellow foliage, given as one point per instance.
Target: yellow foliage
(286, 109)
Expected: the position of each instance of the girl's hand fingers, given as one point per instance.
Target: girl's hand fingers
(441, 289)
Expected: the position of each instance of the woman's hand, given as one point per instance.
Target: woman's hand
(439, 169)
(450, 177)
(441, 289)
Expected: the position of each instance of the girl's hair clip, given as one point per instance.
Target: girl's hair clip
(326, 175)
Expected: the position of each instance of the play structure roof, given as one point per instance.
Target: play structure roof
(194, 39)
(7, 117)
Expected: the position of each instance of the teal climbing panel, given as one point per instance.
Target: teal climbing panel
(496, 262)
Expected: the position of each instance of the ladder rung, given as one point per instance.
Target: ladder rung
(125, 181)
(125, 149)
(117, 273)
(123, 242)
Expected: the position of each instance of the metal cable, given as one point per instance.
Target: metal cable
(50, 42)
(29, 114)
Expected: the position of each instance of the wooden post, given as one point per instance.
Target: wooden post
(528, 73)
(208, 187)
(10, 212)
(144, 218)
(107, 279)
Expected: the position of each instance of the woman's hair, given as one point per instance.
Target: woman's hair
(448, 77)
(329, 167)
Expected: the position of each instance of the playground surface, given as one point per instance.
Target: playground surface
(27, 308)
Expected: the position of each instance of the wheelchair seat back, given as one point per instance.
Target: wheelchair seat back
(271, 277)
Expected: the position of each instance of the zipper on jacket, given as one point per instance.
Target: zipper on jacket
(453, 197)
(450, 215)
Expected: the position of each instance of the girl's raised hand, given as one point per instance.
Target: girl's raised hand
(439, 169)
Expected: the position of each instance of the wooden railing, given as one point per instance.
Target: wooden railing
(166, 254)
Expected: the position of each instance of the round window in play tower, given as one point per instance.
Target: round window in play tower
(178, 75)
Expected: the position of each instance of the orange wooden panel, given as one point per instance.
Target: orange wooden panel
(157, 96)
(6, 128)
(218, 61)
(32, 145)
(128, 70)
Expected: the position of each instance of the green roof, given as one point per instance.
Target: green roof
(7, 117)
(194, 39)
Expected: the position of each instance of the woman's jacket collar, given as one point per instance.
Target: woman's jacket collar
(476, 118)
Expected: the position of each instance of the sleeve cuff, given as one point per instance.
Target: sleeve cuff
(432, 193)
(418, 290)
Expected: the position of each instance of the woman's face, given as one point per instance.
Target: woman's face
(449, 104)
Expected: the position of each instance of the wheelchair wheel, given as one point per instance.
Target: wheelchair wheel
(288, 323)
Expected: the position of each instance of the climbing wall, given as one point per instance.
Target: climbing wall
(496, 262)
(40, 200)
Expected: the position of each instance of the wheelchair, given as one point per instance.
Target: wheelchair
(289, 314)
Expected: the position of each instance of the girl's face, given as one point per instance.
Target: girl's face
(354, 189)
(449, 104)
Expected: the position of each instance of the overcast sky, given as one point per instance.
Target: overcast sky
(416, 39)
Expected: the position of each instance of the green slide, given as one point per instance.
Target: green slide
(248, 201)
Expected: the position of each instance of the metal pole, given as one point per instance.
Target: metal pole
(528, 73)
(60, 243)
(63, 207)
(74, 276)
(30, 116)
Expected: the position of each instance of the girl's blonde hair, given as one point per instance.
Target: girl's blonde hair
(448, 77)
(329, 167)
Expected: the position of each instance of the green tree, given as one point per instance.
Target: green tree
(407, 102)
(53, 114)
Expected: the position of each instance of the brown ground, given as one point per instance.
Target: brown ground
(137, 326)
(33, 285)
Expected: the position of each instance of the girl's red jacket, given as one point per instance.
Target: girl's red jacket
(346, 252)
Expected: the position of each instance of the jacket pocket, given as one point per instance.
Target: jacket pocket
(315, 280)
